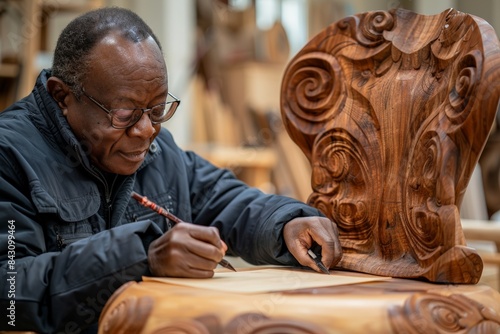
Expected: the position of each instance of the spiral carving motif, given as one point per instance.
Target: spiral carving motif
(340, 173)
(426, 228)
(320, 202)
(368, 31)
(331, 170)
(128, 316)
(337, 168)
(433, 313)
(313, 86)
(374, 24)
(457, 28)
(427, 162)
(462, 94)
(256, 323)
(338, 157)
(431, 161)
(189, 326)
(350, 212)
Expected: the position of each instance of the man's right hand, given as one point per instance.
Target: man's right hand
(186, 250)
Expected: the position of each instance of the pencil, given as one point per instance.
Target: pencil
(144, 201)
(320, 264)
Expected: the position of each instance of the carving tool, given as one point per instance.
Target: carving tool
(320, 264)
(144, 201)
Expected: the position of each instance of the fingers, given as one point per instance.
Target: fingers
(326, 236)
(206, 241)
(207, 234)
(186, 250)
(301, 234)
(224, 247)
(337, 247)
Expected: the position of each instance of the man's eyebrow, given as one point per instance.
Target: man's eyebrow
(159, 99)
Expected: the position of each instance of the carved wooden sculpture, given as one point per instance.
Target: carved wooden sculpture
(393, 109)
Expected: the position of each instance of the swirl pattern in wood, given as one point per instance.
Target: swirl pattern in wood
(393, 109)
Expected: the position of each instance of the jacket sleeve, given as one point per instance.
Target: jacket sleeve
(250, 222)
(61, 291)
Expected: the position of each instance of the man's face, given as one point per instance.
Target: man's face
(122, 74)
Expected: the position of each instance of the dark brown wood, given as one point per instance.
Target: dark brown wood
(393, 109)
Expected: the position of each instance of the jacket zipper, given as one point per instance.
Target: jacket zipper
(108, 205)
(108, 195)
(59, 239)
(108, 191)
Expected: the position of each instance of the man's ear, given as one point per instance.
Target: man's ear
(60, 92)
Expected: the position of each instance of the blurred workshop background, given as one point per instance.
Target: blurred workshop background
(225, 60)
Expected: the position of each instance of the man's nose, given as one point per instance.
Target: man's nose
(144, 127)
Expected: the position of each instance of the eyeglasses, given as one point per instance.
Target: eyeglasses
(126, 118)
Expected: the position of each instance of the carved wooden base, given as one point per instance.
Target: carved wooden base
(392, 306)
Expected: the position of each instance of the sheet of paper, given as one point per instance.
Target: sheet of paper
(269, 280)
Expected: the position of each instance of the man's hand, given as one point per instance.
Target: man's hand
(302, 233)
(186, 250)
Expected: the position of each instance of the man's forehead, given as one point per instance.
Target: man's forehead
(115, 39)
(117, 50)
(116, 58)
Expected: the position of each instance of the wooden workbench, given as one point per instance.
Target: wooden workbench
(385, 306)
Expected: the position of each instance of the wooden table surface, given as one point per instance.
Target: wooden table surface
(390, 306)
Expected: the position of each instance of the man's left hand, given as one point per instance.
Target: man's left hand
(302, 233)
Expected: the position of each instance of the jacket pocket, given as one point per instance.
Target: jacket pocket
(65, 220)
(71, 209)
(66, 234)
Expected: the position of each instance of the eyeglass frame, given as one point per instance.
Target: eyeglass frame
(173, 105)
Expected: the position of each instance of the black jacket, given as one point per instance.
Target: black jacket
(70, 235)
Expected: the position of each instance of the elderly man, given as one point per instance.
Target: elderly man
(72, 153)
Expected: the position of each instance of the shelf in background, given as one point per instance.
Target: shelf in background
(9, 70)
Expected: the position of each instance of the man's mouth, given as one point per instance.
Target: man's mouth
(134, 156)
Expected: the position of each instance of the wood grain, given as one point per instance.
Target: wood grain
(393, 109)
(380, 307)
